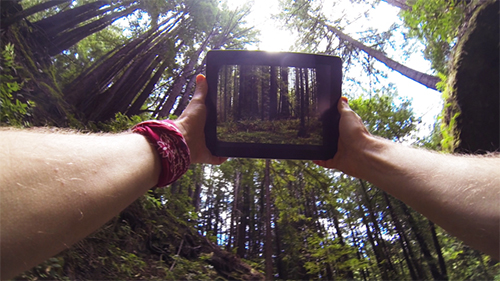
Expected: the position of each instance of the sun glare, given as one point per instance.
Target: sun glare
(427, 103)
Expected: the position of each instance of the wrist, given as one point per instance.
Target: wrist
(169, 143)
(376, 162)
(366, 158)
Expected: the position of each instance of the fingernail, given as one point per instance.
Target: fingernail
(200, 78)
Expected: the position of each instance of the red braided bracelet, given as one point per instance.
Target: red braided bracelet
(171, 146)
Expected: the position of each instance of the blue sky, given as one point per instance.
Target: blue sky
(427, 103)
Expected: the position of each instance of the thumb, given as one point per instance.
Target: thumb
(343, 103)
(200, 92)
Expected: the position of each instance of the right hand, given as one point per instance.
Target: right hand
(354, 140)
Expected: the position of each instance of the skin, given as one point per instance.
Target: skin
(58, 188)
(459, 193)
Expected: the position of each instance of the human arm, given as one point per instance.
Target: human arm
(459, 193)
(57, 188)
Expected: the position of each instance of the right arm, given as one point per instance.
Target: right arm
(459, 193)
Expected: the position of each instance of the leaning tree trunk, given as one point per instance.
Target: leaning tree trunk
(63, 41)
(30, 11)
(135, 108)
(402, 4)
(83, 89)
(417, 76)
(181, 80)
(188, 90)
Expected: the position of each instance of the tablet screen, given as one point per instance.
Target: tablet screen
(272, 105)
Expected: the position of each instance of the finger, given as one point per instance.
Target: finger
(343, 103)
(200, 92)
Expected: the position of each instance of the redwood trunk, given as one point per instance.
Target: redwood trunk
(417, 76)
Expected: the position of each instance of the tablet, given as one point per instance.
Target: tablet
(272, 105)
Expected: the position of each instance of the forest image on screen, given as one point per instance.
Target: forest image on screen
(269, 104)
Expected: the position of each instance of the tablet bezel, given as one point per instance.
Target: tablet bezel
(330, 119)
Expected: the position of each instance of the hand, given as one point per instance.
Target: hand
(191, 123)
(354, 139)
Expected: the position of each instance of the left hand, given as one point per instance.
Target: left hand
(191, 123)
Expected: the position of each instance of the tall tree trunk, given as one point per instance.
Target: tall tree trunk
(279, 255)
(442, 264)
(343, 273)
(135, 108)
(417, 76)
(354, 238)
(242, 227)
(63, 41)
(389, 267)
(273, 94)
(119, 96)
(181, 81)
(402, 239)
(71, 18)
(284, 103)
(376, 249)
(30, 11)
(84, 89)
(183, 102)
(234, 211)
(198, 180)
(269, 239)
(436, 274)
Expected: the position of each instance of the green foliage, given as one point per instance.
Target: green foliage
(436, 23)
(157, 237)
(386, 115)
(122, 122)
(326, 252)
(13, 110)
(87, 52)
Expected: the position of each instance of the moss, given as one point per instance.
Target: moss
(448, 117)
(471, 114)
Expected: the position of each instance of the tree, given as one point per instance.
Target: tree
(289, 219)
(310, 21)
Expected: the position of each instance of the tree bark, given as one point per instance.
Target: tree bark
(417, 76)
(234, 211)
(85, 88)
(30, 11)
(69, 19)
(442, 264)
(63, 41)
(269, 239)
(344, 273)
(402, 240)
(436, 274)
(402, 4)
(387, 264)
(181, 80)
(135, 108)
(284, 103)
(242, 227)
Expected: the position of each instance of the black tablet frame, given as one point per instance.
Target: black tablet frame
(217, 58)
